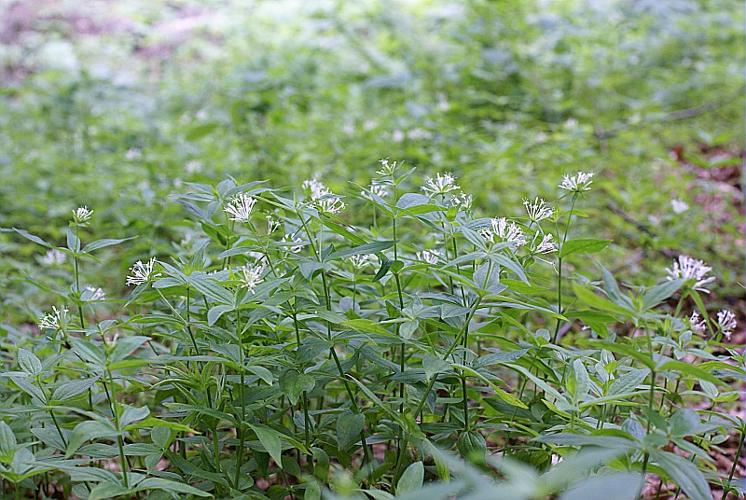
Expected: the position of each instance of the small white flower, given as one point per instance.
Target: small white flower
(679, 207)
(376, 188)
(252, 276)
(272, 224)
(362, 261)
(295, 245)
(418, 133)
(331, 204)
(240, 207)
(688, 268)
(697, 324)
(509, 232)
(538, 209)
(323, 199)
(388, 168)
(432, 257)
(83, 214)
(94, 294)
(547, 244)
(315, 188)
(142, 272)
(54, 320)
(462, 201)
(54, 257)
(581, 181)
(440, 184)
(132, 154)
(727, 322)
(193, 166)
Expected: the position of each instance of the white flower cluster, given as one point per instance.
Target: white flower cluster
(252, 275)
(272, 224)
(94, 294)
(697, 324)
(293, 243)
(440, 184)
(444, 185)
(431, 257)
(578, 182)
(54, 257)
(376, 188)
(726, 322)
(240, 207)
(679, 207)
(54, 320)
(81, 215)
(322, 198)
(501, 229)
(142, 272)
(538, 209)
(688, 268)
(362, 261)
(388, 168)
(547, 245)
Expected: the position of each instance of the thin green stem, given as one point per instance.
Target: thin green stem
(111, 397)
(559, 267)
(735, 459)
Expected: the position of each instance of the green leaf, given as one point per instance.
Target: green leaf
(33, 238)
(408, 200)
(619, 486)
(199, 131)
(567, 439)
(293, 384)
(125, 346)
(684, 473)
(157, 483)
(133, 414)
(98, 244)
(583, 246)
(692, 370)
(505, 396)
(349, 427)
(582, 381)
(628, 350)
(434, 365)
(411, 479)
(87, 431)
(7, 439)
(71, 389)
(628, 382)
(367, 248)
(659, 293)
(365, 326)
(28, 362)
(262, 373)
(598, 302)
(407, 329)
(214, 314)
(210, 289)
(271, 440)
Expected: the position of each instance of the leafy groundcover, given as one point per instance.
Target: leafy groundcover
(281, 352)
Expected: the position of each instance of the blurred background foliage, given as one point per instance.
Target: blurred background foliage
(117, 105)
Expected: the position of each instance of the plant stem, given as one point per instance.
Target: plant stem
(77, 281)
(306, 419)
(115, 414)
(559, 267)
(735, 459)
(240, 430)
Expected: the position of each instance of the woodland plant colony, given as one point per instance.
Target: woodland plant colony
(430, 353)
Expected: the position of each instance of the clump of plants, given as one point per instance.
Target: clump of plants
(280, 351)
